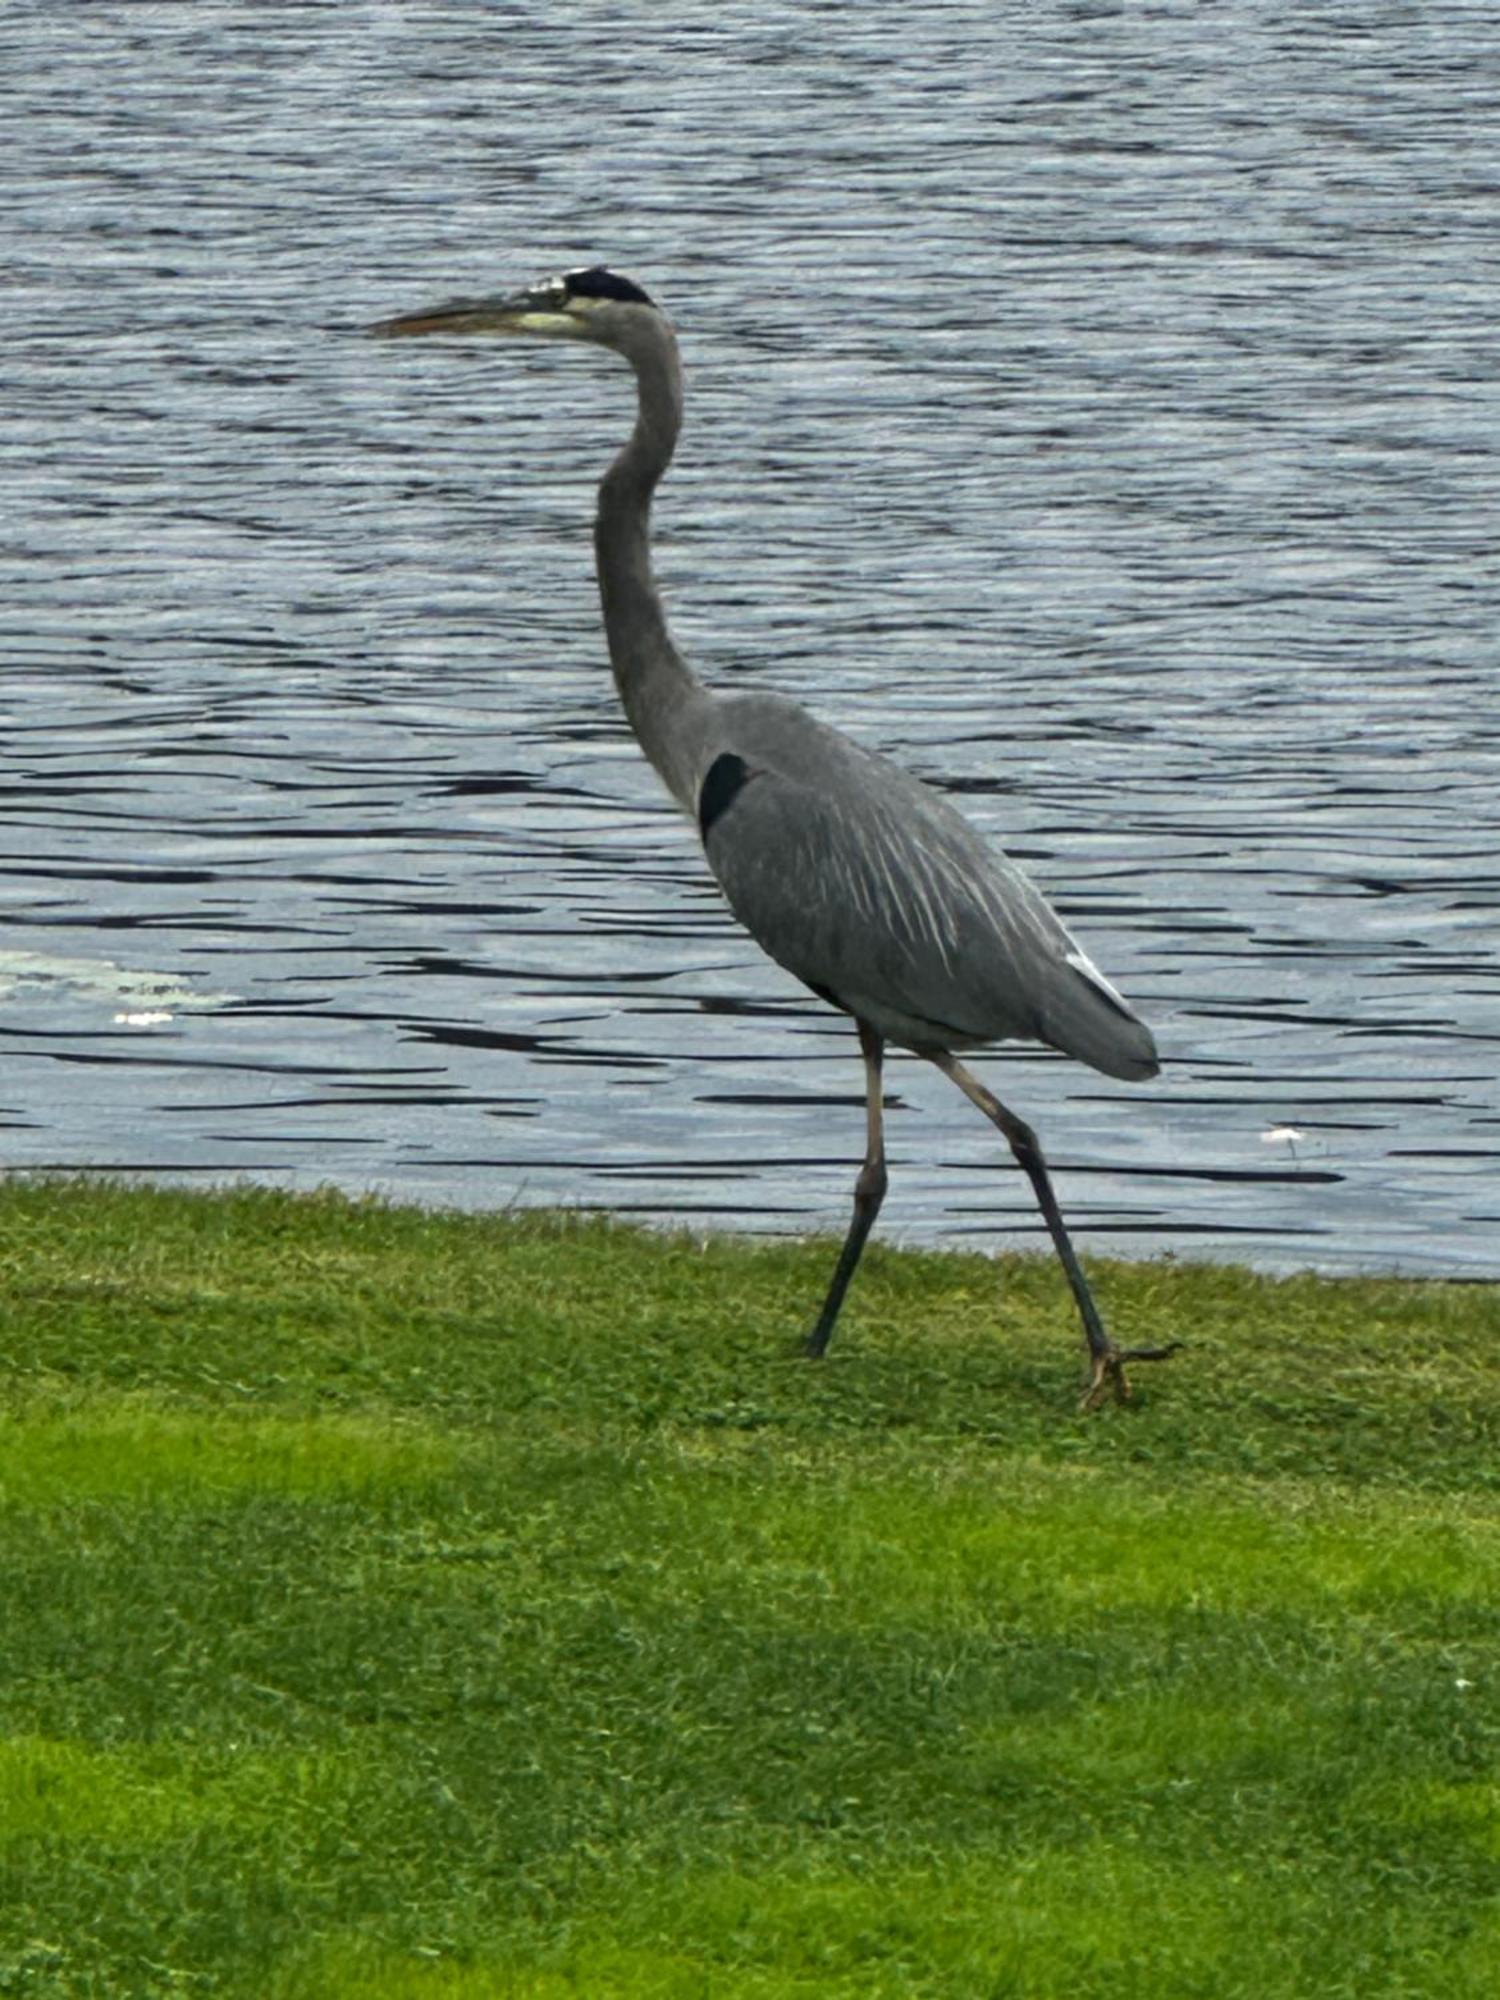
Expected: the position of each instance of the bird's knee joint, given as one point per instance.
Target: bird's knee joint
(1024, 1142)
(872, 1183)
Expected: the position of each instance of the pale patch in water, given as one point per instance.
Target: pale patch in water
(139, 999)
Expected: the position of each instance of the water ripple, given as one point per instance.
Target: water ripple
(1108, 404)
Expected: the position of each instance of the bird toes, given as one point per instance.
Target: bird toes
(1107, 1377)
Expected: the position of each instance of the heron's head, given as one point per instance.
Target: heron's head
(593, 304)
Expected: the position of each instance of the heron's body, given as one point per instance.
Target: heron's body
(856, 876)
(869, 887)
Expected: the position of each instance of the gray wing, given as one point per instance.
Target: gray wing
(877, 894)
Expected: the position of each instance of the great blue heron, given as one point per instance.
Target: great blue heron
(851, 873)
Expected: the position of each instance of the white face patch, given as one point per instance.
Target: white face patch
(543, 319)
(554, 301)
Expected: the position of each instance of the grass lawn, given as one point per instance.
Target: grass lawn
(419, 1606)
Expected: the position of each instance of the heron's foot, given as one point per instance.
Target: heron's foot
(1107, 1377)
(814, 1344)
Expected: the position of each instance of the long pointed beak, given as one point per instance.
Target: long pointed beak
(497, 315)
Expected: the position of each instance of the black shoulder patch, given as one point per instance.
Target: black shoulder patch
(726, 779)
(598, 283)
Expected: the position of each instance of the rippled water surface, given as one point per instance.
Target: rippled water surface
(1093, 406)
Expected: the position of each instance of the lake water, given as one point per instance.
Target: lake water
(1093, 406)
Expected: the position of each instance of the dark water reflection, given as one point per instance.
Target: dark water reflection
(1098, 412)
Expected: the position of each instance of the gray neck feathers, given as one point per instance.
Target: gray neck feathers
(663, 700)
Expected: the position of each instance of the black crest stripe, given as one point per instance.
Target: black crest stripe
(598, 283)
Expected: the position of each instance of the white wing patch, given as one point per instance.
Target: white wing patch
(1081, 962)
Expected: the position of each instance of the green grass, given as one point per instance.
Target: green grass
(425, 1607)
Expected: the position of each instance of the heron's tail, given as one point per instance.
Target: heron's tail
(1085, 1017)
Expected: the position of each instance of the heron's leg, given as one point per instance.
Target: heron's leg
(1106, 1361)
(869, 1192)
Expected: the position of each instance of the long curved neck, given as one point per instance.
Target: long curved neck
(660, 693)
